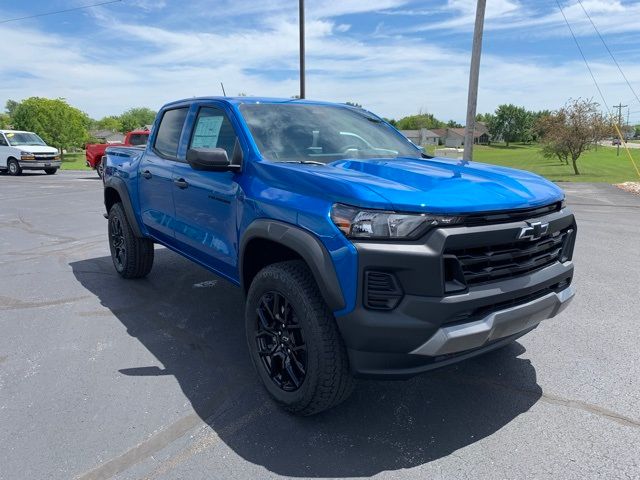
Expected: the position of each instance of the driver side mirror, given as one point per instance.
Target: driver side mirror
(210, 159)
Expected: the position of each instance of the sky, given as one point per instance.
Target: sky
(395, 57)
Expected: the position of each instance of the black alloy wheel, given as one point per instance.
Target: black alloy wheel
(116, 237)
(280, 343)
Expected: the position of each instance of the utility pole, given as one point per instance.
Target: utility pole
(302, 74)
(619, 107)
(474, 73)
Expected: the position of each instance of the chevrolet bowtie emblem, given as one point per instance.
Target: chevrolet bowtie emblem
(534, 231)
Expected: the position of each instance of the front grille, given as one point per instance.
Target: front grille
(495, 262)
(488, 218)
(381, 291)
(45, 156)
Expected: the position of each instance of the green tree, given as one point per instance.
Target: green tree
(11, 106)
(5, 120)
(511, 123)
(484, 117)
(58, 123)
(136, 118)
(416, 122)
(354, 104)
(112, 123)
(453, 124)
(572, 130)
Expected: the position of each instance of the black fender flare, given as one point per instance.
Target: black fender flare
(119, 186)
(307, 245)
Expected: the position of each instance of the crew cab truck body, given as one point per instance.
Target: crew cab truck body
(94, 152)
(21, 150)
(359, 255)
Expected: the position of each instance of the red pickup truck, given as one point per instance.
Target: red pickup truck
(95, 151)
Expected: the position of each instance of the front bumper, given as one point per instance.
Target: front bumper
(497, 325)
(431, 327)
(38, 164)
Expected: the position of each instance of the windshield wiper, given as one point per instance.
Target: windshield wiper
(304, 162)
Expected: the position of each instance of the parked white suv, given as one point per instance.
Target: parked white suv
(26, 151)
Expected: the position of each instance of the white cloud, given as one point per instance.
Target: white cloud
(393, 77)
(611, 16)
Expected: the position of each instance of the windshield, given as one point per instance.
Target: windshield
(24, 138)
(322, 133)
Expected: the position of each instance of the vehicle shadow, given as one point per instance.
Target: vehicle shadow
(192, 323)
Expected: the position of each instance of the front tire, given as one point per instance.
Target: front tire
(13, 167)
(132, 256)
(50, 171)
(294, 341)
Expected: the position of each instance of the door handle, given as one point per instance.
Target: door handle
(147, 174)
(181, 183)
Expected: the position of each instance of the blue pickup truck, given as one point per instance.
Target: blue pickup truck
(359, 255)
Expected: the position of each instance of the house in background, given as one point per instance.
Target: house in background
(422, 137)
(454, 137)
(107, 136)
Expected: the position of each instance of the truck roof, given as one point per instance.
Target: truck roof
(251, 100)
(15, 131)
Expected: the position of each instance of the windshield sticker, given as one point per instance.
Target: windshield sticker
(207, 132)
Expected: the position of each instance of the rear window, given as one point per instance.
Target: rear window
(139, 139)
(169, 131)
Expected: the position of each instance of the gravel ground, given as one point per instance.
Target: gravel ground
(103, 378)
(631, 187)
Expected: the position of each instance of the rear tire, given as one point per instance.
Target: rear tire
(100, 167)
(132, 256)
(294, 341)
(13, 167)
(50, 171)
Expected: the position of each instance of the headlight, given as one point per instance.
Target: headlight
(27, 156)
(357, 223)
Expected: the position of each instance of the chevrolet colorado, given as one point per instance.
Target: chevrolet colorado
(359, 255)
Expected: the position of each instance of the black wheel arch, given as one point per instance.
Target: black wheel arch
(289, 242)
(115, 190)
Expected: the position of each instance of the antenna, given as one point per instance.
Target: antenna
(224, 94)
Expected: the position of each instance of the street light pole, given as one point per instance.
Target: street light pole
(474, 73)
(302, 67)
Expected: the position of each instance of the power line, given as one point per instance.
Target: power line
(583, 57)
(615, 125)
(608, 50)
(59, 11)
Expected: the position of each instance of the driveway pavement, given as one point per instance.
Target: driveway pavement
(609, 143)
(105, 378)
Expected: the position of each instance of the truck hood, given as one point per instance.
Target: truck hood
(434, 185)
(36, 148)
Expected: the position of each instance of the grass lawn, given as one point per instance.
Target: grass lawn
(74, 161)
(595, 166)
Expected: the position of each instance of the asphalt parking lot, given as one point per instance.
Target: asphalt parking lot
(106, 378)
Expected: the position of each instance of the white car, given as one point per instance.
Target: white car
(26, 151)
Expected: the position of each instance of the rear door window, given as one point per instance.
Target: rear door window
(169, 131)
